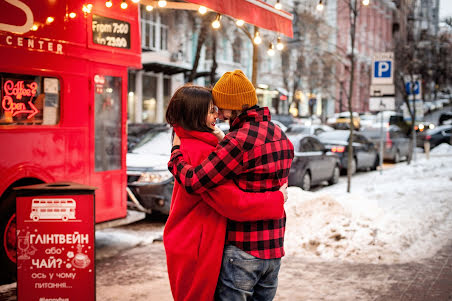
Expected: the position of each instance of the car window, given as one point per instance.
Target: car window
(449, 131)
(359, 139)
(305, 145)
(317, 146)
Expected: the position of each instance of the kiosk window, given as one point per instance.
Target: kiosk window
(29, 99)
(108, 122)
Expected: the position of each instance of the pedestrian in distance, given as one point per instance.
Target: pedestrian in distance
(257, 156)
(196, 227)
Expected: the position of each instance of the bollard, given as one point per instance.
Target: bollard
(55, 242)
(427, 149)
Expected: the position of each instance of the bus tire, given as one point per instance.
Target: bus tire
(8, 238)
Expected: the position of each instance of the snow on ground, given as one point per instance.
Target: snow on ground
(403, 214)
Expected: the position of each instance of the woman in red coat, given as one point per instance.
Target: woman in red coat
(195, 231)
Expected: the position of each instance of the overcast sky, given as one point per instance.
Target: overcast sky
(445, 9)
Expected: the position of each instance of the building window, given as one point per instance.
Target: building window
(149, 108)
(237, 50)
(107, 132)
(154, 30)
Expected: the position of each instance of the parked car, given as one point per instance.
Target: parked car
(365, 154)
(367, 120)
(148, 178)
(436, 136)
(312, 163)
(284, 119)
(315, 129)
(396, 144)
(445, 118)
(341, 121)
(280, 124)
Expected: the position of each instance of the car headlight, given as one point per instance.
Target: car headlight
(154, 176)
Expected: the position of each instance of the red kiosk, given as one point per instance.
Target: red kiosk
(63, 111)
(55, 242)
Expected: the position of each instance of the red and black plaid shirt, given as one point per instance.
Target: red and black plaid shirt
(257, 155)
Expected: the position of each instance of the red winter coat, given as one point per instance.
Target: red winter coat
(195, 231)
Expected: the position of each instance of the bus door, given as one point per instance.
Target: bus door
(108, 85)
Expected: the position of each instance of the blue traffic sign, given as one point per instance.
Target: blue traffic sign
(382, 69)
(412, 89)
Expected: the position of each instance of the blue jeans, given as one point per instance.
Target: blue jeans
(245, 277)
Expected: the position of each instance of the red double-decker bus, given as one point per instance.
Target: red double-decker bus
(63, 77)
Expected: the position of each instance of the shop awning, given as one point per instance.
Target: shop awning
(165, 68)
(254, 12)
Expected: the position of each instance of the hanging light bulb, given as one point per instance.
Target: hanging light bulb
(34, 27)
(202, 10)
(149, 7)
(135, 1)
(271, 50)
(278, 5)
(108, 3)
(257, 38)
(50, 20)
(366, 2)
(87, 8)
(216, 23)
(124, 4)
(279, 44)
(240, 23)
(162, 3)
(320, 6)
(72, 15)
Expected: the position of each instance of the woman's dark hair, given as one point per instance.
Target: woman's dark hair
(188, 108)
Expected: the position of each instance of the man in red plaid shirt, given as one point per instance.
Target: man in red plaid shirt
(257, 155)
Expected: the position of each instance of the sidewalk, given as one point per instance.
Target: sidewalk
(429, 280)
(125, 277)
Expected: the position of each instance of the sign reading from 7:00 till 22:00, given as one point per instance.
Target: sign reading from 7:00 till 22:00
(111, 32)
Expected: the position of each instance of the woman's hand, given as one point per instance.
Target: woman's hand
(283, 189)
(176, 140)
(219, 133)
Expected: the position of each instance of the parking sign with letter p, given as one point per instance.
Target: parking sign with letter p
(382, 66)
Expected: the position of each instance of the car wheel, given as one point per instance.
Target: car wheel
(397, 157)
(335, 178)
(306, 181)
(353, 166)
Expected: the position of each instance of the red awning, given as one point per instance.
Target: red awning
(255, 12)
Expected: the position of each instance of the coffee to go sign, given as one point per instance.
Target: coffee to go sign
(55, 243)
(111, 32)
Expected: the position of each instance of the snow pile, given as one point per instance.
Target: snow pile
(443, 148)
(401, 215)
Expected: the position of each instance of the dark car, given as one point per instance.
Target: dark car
(312, 163)
(148, 180)
(365, 154)
(445, 118)
(396, 144)
(436, 136)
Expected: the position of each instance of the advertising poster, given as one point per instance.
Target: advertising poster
(55, 248)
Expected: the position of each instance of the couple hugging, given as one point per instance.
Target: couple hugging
(225, 231)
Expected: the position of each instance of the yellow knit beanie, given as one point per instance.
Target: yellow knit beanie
(233, 90)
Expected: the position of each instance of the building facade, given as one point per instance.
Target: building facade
(374, 25)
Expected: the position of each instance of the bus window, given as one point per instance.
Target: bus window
(107, 123)
(29, 100)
